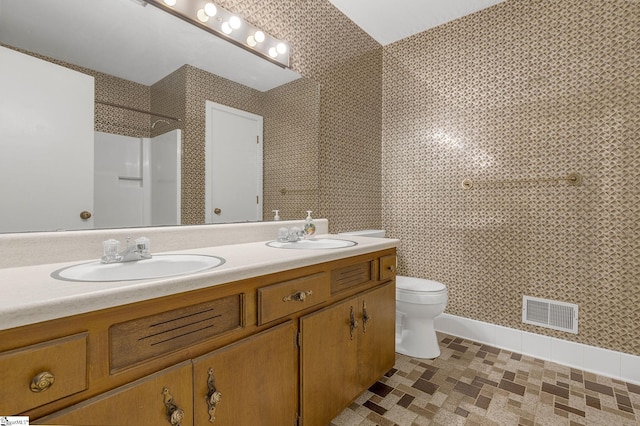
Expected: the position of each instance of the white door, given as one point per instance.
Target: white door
(46, 145)
(233, 165)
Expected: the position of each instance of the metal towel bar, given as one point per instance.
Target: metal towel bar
(285, 191)
(574, 179)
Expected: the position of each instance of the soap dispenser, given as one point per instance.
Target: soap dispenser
(309, 226)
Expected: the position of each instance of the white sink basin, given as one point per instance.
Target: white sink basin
(159, 266)
(315, 243)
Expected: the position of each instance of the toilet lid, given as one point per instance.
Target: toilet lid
(418, 285)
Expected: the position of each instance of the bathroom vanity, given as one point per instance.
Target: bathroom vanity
(271, 337)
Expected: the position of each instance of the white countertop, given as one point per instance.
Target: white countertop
(30, 295)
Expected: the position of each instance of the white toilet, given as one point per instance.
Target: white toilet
(418, 302)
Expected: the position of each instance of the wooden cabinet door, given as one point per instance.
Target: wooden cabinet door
(329, 362)
(376, 350)
(252, 382)
(143, 402)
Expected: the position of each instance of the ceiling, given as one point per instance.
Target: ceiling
(387, 21)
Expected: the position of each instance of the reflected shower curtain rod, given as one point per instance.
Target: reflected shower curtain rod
(169, 117)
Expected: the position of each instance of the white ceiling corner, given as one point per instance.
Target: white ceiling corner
(387, 22)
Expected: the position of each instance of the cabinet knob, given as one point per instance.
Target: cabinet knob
(213, 396)
(85, 215)
(298, 296)
(175, 414)
(217, 211)
(42, 381)
(392, 268)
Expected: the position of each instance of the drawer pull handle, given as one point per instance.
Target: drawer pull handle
(353, 323)
(299, 296)
(365, 317)
(175, 414)
(41, 382)
(213, 396)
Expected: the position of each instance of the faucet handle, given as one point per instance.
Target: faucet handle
(143, 245)
(110, 251)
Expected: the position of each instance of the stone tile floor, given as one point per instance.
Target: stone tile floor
(476, 384)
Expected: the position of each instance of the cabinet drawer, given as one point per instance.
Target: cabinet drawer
(387, 267)
(350, 276)
(285, 298)
(62, 363)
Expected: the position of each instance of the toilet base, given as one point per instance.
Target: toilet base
(417, 339)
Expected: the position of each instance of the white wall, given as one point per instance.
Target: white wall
(119, 191)
(601, 361)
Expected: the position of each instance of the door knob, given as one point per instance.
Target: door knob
(217, 210)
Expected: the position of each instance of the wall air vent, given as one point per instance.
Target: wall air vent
(550, 314)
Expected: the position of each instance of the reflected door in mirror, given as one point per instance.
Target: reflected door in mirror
(233, 165)
(46, 145)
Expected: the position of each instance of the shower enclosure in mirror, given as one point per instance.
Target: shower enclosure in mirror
(152, 74)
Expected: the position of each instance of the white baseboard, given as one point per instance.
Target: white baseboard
(605, 362)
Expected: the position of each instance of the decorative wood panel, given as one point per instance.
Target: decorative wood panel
(350, 276)
(140, 339)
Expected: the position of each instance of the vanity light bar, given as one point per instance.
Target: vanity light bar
(219, 21)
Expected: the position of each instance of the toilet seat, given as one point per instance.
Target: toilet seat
(420, 291)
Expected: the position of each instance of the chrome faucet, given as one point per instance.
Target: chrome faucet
(132, 253)
(137, 251)
(296, 234)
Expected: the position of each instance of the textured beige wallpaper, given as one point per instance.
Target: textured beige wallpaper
(329, 48)
(291, 147)
(513, 95)
(119, 91)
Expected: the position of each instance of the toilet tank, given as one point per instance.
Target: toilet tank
(379, 233)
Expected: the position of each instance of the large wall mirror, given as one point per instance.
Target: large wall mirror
(155, 82)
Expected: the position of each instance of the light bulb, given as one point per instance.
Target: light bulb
(235, 22)
(251, 41)
(259, 36)
(273, 52)
(170, 2)
(202, 16)
(226, 28)
(210, 9)
(281, 48)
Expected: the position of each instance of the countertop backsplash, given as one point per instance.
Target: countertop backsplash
(36, 248)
